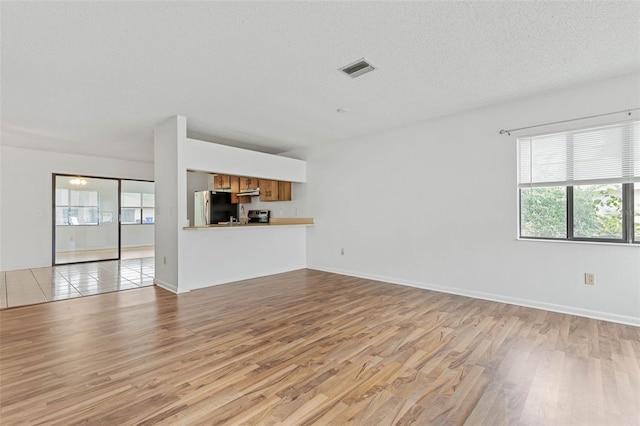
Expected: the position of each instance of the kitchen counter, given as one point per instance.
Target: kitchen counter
(222, 254)
(275, 222)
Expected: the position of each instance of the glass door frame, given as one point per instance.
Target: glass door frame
(53, 216)
(54, 177)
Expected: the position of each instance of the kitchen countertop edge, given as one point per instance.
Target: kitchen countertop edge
(248, 226)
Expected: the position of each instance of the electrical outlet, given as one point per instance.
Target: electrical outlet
(164, 260)
(589, 278)
(342, 252)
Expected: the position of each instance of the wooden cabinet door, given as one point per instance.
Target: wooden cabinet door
(248, 183)
(284, 191)
(244, 183)
(273, 190)
(222, 182)
(268, 190)
(234, 184)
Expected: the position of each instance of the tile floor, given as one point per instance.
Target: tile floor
(90, 255)
(29, 286)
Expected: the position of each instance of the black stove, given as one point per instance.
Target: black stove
(258, 216)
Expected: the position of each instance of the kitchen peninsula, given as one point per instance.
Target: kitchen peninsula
(187, 260)
(284, 221)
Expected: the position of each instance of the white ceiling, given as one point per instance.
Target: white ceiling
(96, 77)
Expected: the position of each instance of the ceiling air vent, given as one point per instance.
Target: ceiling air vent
(357, 68)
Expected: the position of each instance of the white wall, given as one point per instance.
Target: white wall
(137, 235)
(217, 256)
(434, 205)
(211, 157)
(25, 197)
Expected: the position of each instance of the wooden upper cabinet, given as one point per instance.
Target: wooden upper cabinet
(268, 190)
(248, 183)
(284, 191)
(273, 190)
(227, 183)
(234, 183)
(222, 182)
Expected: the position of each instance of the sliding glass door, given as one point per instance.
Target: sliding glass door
(137, 217)
(86, 226)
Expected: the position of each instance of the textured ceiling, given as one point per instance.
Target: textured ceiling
(96, 77)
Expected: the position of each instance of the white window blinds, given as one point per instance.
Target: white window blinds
(581, 157)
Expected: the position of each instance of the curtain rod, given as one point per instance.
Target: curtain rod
(628, 111)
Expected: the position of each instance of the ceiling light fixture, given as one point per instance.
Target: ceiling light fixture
(78, 181)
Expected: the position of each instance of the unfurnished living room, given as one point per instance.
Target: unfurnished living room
(322, 212)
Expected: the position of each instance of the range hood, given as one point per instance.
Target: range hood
(253, 192)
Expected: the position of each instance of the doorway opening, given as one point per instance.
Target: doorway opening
(97, 218)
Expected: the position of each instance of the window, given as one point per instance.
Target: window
(581, 185)
(137, 208)
(543, 212)
(636, 209)
(597, 211)
(74, 207)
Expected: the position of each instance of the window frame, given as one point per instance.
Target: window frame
(629, 234)
(541, 238)
(633, 238)
(140, 207)
(628, 224)
(69, 206)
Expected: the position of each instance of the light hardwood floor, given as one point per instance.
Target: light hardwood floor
(309, 347)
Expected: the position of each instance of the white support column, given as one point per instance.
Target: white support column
(167, 139)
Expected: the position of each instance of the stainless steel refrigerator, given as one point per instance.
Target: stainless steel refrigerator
(213, 207)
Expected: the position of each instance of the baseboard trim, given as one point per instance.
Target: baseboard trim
(166, 286)
(563, 309)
